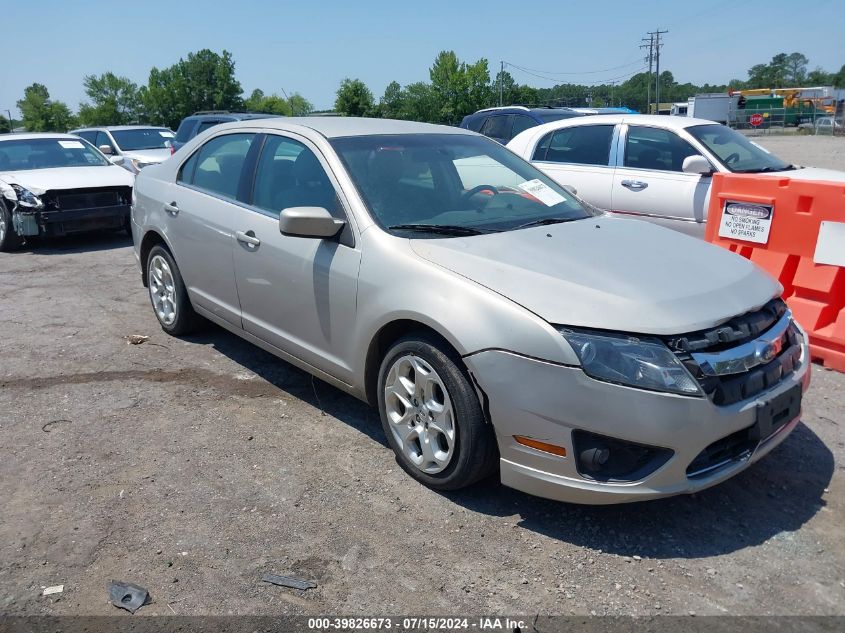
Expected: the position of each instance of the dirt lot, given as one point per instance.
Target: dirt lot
(194, 466)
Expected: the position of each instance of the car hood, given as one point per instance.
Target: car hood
(810, 173)
(40, 180)
(609, 273)
(148, 155)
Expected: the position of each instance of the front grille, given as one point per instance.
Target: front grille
(94, 198)
(744, 356)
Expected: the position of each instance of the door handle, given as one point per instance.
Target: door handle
(634, 185)
(172, 208)
(247, 238)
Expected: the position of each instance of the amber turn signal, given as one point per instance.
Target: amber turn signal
(560, 451)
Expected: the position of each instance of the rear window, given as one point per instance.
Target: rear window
(183, 134)
(548, 117)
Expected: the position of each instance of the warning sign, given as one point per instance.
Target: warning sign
(747, 222)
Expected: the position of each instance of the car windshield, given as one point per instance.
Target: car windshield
(441, 184)
(735, 151)
(48, 153)
(148, 138)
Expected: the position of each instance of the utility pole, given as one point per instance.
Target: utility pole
(656, 35)
(650, 60)
(501, 79)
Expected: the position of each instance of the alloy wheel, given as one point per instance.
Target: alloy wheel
(420, 413)
(162, 290)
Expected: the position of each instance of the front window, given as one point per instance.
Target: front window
(656, 148)
(735, 151)
(134, 140)
(48, 153)
(430, 184)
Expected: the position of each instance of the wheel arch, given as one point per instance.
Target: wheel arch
(151, 238)
(384, 338)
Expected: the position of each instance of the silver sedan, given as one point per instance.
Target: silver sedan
(495, 322)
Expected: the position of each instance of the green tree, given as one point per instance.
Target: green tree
(392, 102)
(299, 105)
(796, 69)
(114, 101)
(203, 81)
(295, 105)
(40, 114)
(354, 98)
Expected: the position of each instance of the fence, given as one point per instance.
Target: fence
(768, 120)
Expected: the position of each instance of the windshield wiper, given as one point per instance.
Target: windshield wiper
(442, 229)
(763, 170)
(544, 222)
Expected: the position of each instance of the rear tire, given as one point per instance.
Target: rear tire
(431, 415)
(9, 239)
(168, 295)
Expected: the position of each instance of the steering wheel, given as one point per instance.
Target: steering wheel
(732, 158)
(466, 195)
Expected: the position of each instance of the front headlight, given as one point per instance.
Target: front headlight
(138, 165)
(627, 360)
(26, 198)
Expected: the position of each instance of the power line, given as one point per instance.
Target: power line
(583, 72)
(557, 80)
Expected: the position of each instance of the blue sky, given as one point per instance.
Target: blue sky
(309, 47)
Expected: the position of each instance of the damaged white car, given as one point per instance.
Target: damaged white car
(56, 184)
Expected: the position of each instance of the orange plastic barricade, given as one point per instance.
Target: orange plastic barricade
(795, 229)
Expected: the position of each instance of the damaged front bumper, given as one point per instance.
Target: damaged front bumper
(61, 212)
(664, 444)
(31, 222)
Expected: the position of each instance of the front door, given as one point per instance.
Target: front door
(650, 183)
(298, 294)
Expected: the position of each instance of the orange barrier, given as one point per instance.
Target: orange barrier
(796, 242)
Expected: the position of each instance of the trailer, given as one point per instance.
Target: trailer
(714, 106)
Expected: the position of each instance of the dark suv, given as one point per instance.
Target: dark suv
(199, 122)
(502, 124)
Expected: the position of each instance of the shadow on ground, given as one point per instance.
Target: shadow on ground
(778, 494)
(81, 243)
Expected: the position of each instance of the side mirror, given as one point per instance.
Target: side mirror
(314, 222)
(570, 189)
(697, 164)
(106, 149)
(116, 160)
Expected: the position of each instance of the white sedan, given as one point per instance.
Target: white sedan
(656, 168)
(55, 184)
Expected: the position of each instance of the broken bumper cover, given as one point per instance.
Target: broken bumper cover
(58, 222)
(667, 433)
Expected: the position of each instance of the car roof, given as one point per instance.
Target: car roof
(237, 115)
(27, 136)
(118, 128)
(657, 120)
(516, 108)
(336, 127)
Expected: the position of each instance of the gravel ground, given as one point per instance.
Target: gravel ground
(810, 151)
(194, 466)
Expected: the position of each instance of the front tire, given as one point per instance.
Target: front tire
(431, 415)
(168, 294)
(9, 239)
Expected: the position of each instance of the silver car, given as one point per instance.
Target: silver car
(494, 321)
(139, 145)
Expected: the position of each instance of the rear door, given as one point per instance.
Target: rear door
(580, 156)
(649, 182)
(498, 127)
(200, 211)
